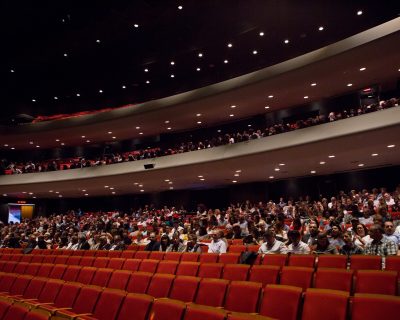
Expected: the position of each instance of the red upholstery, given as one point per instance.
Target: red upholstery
(376, 282)
(116, 263)
(167, 309)
(360, 262)
(301, 260)
(101, 277)
(173, 256)
(108, 305)
(208, 257)
(71, 273)
(335, 279)
(142, 255)
(374, 306)
(139, 282)
(14, 313)
(119, 279)
(87, 261)
(184, 288)
(243, 296)
(190, 256)
(84, 302)
(128, 254)
(58, 271)
(149, 265)
(33, 269)
(86, 275)
(168, 267)
(198, 312)
(20, 284)
(212, 292)
(44, 270)
(237, 248)
(238, 272)
(393, 263)
(332, 261)
(210, 270)
(229, 258)
(160, 285)
(114, 253)
(156, 255)
(74, 260)
(274, 259)
(100, 262)
(188, 269)
(297, 276)
(132, 264)
(141, 303)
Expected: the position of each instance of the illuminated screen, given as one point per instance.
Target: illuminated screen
(14, 214)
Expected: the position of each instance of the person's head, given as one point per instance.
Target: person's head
(215, 235)
(152, 237)
(269, 237)
(294, 236)
(354, 223)
(335, 231)
(322, 240)
(389, 228)
(376, 232)
(164, 239)
(361, 230)
(74, 239)
(347, 237)
(378, 219)
(313, 228)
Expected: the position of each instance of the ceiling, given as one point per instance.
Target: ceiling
(53, 51)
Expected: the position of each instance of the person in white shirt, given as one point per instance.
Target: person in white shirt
(271, 245)
(217, 245)
(296, 246)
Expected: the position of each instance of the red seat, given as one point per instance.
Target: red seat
(168, 267)
(199, 312)
(301, 260)
(74, 260)
(116, 263)
(33, 268)
(101, 277)
(190, 256)
(139, 282)
(335, 279)
(173, 256)
(86, 275)
(264, 274)
(160, 285)
(374, 306)
(393, 263)
(7, 282)
(167, 309)
(71, 273)
(297, 276)
(19, 285)
(9, 266)
(128, 254)
(376, 282)
(332, 261)
(238, 248)
(142, 254)
(87, 261)
(100, 262)
(238, 272)
(272, 306)
(101, 253)
(119, 279)
(58, 271)
(21, 267)
(44, 270)
(246, 316)
(131, 264)
(48, 294)
(229, 258)
(211, 292)
(360, 262)
(61, 259)
(253, 248)
(243, 296)
(184, 288)
(208, 257)
(188, 269)
(325, 304)
(49, 259)
(141, 303)
(156, 255)
(15, 312)
(274, 260)
(114, 254)
(25, 258)
(210, 270)
(34, 288)
(37, 258)
(149, 265)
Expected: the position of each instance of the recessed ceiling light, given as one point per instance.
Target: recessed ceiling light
(33, 100)
(137, 128)
(166, 180)
(34, 197)
(359, 12)
(172, 76)
(56, 192)
(363, 68)
(361, 165)
(65, 55)
(281, 164)
(171, 188)
(113, 192)
(170, 182)
(146, 70)
(249, 125)
(106, 186)
(62, 143)
(321, 28)
(140, 133)
(236, 175)
(12, 148)
(169, 128)
(198, 115)
(78, 95)
(140, 185)
(277, 169)
(202, 179)
(100, 91)
(233, 106)
(266, 107)
(322, 162)
(238, 171)
(31, 142)
(200, 176)
(37, 146)
(123, 87)
(261, 34)
(391, 145)
(226, 61)
(313, 171)
(25, 192)
(87, 140)
(172, 63)
(270, 96)
(231, 115)
(60, 195)
(255, 52)
(111, 188)
(147, 81)
(83, 190)
(271, 177)
(50, 190)
(234, 181)
(305, 97)
(109, 132)
(331, 156)
(200, 55)
(57, 140)
(114, 137)
(180, 7)
(30, 193)
(374, 154)
(136, 25)
(6, 145)
(141, 190)
(229, 45)
(313, 84)
(286, 41)
(349, 84)
(83, 136)
(12, 71)
(98, 41)
(86, 194)
(55, 98)
(198, 122)
(166, 121)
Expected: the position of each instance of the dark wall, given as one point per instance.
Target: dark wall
(315, 186)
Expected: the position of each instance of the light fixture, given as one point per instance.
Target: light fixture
(261, 34)
(277, 169)
(234, 181)
(169, 128)
(140, 133)
(238, 171)
(171, 188)
(136, 25)
(141, 190)
(12, 148)
(359, 12)
(322, 162)
(86, 194)
(200, 176)
(56, 192)
(200, 55)
(113, 192)
(83, 137)
(270, 96)
(321, 28)
(286, 41)
(271, 177)
(88, 141)
(147, 81)
(363, 68)
(266, 107)
(231, 115)
(123, 87)
(65, 55)
(349, 84)
(78, 95)
(180, 7)
(255, 52)
(361, 165)
(281, 164)
(331, 156)
(233, 106)
(106, 186)
(37, 146)
(31, 142)
(305, 97)
(391, 145)
(198, 122)
(60, 195)
(236, 175)
(100, 91)
(170, 182)
(172, 76)
(62, 143)
(6, 145)
(30, 193)
(313, 84)
(146, 70)
(374, 154)
(83, 190)
(202, 179)
(313, 171)
(229, 45)
(166, 180)
(109, 132)
(111, 188)
(198, 115)
(98, 41)
(140, 185)
(33, 100)
(198, 69)
(226, 61)
(12, 71)
(172, 63)
(114, 137)
(137, 128)
(55, 98)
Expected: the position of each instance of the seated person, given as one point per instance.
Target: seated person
(350, 248)
(271, 245)
(323, 246)
(217, 245)
(296, 246)
(380, 246)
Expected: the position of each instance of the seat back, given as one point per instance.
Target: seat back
(210, 270)
(360, 262)
(173, 256)
(166, 309)
(212, 292)
(119, 279)
(141, 303)
(302, 260)
(376, 282)
(184, 288)
(156, 255)
(229, 257)
(101, 277)
(86, 275)
(168, 267)
(264, 274)
(100, 262)
(208, 257)
(334, 279)
(199, 312)
(87, 299)
(71, 273)
(116, 263)
(392, 263)
(374, 306)
(297, 276)
(132, 264)
(243, 296)
(108, 305)
(190, 256)
(332, 261)
(139, 282)
(67, 295)
(237, 248)
(50, 291)
(87, 261)
(274, 260)
(238, 272)
(188, 268)
(160, 285)
(149, 265)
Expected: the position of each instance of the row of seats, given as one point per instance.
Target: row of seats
(356, 262)
(120, 276)
(53, 297)
(8, 311)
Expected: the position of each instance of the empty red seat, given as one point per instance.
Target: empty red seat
(243, 296)
(238, 272)
(139, 282)
(149, 265)
(142, 254)
(34, 288)
(301, 260)
(86, 275)
(87, 261)
(114, 254)
(71, 273)
(208, 257)
(49, 259)
(128, 254)
(375, 306)
(25, 258)
(48, 294)
(160, 285)
(44, 270)
(211, 292)
(188, 268)
(393, 263)
(246, 316)
(325, 304)
(19, 285)
(6, 282)
(33, 268)
(9, 266)
(334, 279)
(61, 259)
(74, 260)
(101, 277)
(100, 262)
(58, 271)
(210, 270)
(116, 263)
(168, 267)
(173, 256)
(272, 306)
(21, 267)
(119, 279)
(253, 247)
(131, 264)
(376, 282)
(141, 303)
(15, 312)
(38, 258)
(101, 253)
(167, 309)
(156, 255)
(184, 288)
(229, 258)
(332, 261)
(297, 276)
(274, 260)
(238, 248)
(199, 312)
(190, 256)
(360, 262)
(264, 274)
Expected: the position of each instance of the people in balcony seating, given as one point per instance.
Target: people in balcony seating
(380, 246)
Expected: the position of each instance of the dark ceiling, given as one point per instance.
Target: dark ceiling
(54, 50)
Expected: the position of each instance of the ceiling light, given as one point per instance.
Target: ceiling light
(33, 100)
(87, 140)
(361, 165)
(172, 63)
(277, 169)
(31, 142)
(112, 188)
(321, 28)
(141, 190)
(62, 143)
(25, 192)
(114, 137)
(200, 55)
(391, 145)
(106, 186)
(374, 154)
(249, 125)
(261, 34)
(170, 182)
(226, 61)
(359, 12)
(229, 45)
(233, 106)
(4, 194)
(200, 176)
(236, 175)
(322, 162)
(65, 55)
(100, 91)
(202, 179)
(109, 132)
(86, 194)
(305, 97)
(198, 69)
(123, 87)
(83, 136)
(166, 121)
(198, 122)
(286, 41)
(198, 115)
(234, 181)
(136, 25)
(140, 133)
(60, 195)
(140, 185)
(146, 70)
(56, 192)
(180, 7)
(166, 180)
(37, 146)
(137, 128)
(12, 148)
(12, 71)
(331, 156)
(238, 171)
(113, 192)
(270, 96)
(78, 95)
(6, 145)
(30, 193)
(169, 128)
(271, 177)
(83, 190)
(55, 98)
(255, 52)
(98, 41)
(172, 76)
(349, 84)
(266, 107)
(281, 164)
(363, 68)
(313, 171)
(147, 81)
(171, 188)
(313, 84)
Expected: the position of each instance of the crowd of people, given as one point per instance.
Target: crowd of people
(358, 222)
(12, 167)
